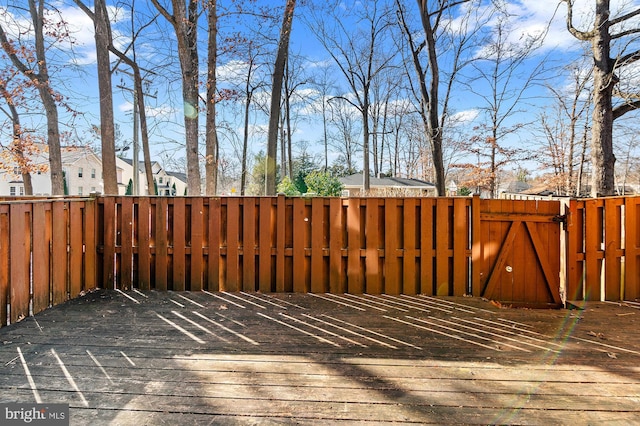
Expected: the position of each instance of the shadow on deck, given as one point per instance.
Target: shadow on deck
(245, 358)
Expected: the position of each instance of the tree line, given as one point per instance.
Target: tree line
(433, 89)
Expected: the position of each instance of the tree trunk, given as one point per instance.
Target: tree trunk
(211, 139)
(186, 29)
(107, 129)
(604, 80)
(276, 96)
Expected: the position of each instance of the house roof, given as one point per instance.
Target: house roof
(178, 175)
(385, 182)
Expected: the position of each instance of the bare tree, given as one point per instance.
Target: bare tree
(506, 71)
(433, 85)
(562, 130)
(184, 20)
(37, 70)
(212, 151)
(324, 84)
(19, 143)
(276, 96)
(104, 45)
(359, 55)
(607, 84)
(103, 39)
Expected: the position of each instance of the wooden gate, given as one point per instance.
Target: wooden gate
(520, 251)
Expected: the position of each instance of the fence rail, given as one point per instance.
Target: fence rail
(53, 250)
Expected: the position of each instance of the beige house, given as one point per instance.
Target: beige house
(82, 173)
(387, 186)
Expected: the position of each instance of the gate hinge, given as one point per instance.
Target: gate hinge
(560, 218)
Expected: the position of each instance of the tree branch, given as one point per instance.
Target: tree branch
(623, 109)
(580, 35)
(627, 59)
(626, 17)
(625, 33)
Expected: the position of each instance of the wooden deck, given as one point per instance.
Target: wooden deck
(153, 358)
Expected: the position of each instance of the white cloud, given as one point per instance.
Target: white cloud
(463, 117)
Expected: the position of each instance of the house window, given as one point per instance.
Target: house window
(22, 190)
(93, 189)
(160, 180)
(79, 190)
(93, 173)
(79, 172)
(12, 191)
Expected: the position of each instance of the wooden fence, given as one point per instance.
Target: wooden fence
(53, 250)
(603, 249)
(355, 245)
(47, 254)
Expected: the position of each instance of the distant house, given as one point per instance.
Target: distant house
(82, 170)
(388, 186)
(81, 167)
(167, 183)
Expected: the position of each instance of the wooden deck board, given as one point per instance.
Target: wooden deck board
(238, 358)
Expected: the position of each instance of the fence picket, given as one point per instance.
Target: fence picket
(632, 249)
(196, 239)
(20, 241)
(178, 243)
(161, 258)
(317, 224)
(142, 241)
(213, 251)
(4, 261)
(249, 244)
(266, 235)
(373, 245)
(613, 250)
(41, 255)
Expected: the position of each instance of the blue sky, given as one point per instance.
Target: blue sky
(78, 80)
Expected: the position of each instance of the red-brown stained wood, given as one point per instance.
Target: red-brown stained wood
(161, 243)
(143, 243)
(266, 238)
(213, 273)
(179, 244)
(41, 255)
(4, 261)
(317, 223)
(281, 225)
(20, 242)
(232, 282)
(427, 245)
(373, 245)
(575, 256)
(613, 249)
(76, 231)
(336, 282)
(593, 254)
(196, 243)
(126, 243)
(476, 247)
(443, 226)
(108, 240)
(632, 249)
(299, 226)
(460, 243)
(410, 283)
(392, 284)
(59, 252)
(89, 240)
(354, 269)
(249, 244)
